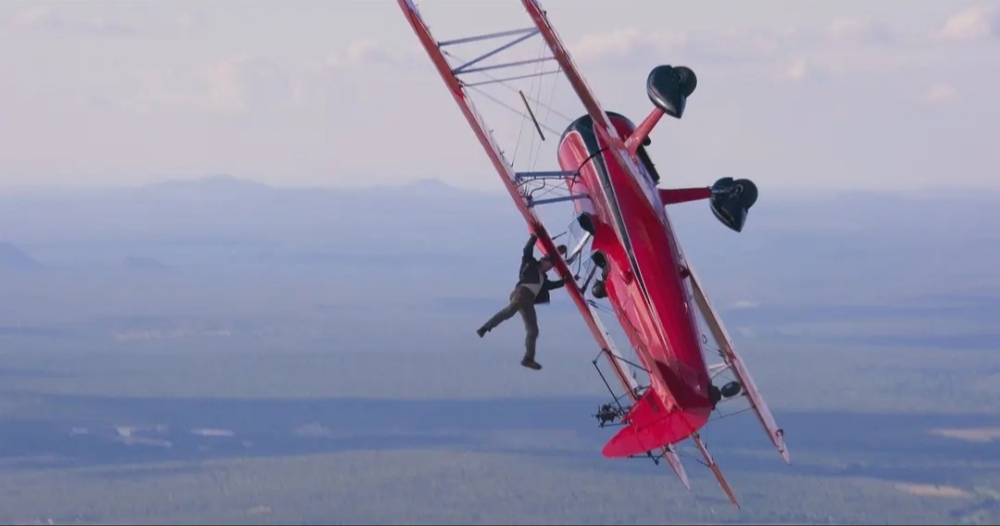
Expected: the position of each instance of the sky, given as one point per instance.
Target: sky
(802, 95)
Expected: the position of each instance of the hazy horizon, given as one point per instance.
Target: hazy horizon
(942, 190)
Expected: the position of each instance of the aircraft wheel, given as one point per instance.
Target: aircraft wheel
(731, 389)
(714, 395)
(599, 290)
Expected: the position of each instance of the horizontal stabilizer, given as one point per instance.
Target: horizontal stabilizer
(650, 427)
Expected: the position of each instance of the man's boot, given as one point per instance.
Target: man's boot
(530, 363)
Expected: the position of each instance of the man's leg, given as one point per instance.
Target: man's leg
(530, 336)
(506, 313)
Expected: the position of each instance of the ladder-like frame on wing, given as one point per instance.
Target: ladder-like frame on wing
(523, 187)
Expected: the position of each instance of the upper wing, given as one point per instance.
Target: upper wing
(513, 180)
(496, 156)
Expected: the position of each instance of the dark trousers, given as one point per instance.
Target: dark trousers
(523, 301)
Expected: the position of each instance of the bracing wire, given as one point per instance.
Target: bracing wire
(505, 84)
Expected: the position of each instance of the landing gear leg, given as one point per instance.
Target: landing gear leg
(714, 395)
(586, 222)
(599, 290)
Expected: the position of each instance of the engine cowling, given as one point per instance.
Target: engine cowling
(731, 201)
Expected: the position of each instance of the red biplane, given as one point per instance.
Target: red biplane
(635, 263)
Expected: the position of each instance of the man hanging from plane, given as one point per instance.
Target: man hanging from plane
(532, 289)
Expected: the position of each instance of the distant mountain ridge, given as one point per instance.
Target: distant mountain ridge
(13, 258)
(143, 263)
(227, 223)
(227, 184)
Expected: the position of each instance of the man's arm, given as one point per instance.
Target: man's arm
(529, 249)
(552, 284)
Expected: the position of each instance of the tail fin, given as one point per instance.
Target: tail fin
(651, 426)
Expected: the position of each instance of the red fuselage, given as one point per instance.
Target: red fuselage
(645, 279)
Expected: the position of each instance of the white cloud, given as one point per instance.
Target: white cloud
(858, 29)
(793, 51)
(48, 20)
(797, 71)
(845, 45)
(939, 94)
(368, 52)
(44, 20)
(237, 85)
(974, 22)
(627, 46)
(247, 83)
(623, 43)
(243, 84)
(188, 20)
(745, 45)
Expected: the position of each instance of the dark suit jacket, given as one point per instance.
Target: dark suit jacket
(531, 274)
